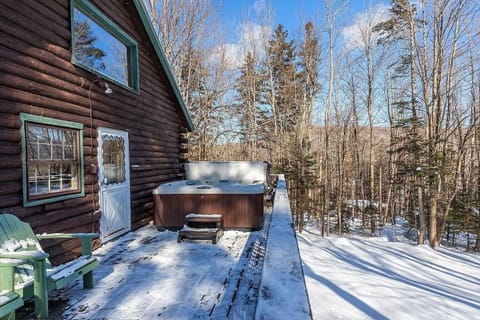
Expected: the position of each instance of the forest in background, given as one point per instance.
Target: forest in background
(369, 116)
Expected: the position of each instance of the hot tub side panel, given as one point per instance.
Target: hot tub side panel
(240, 211)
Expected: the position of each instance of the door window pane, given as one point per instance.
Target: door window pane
(113, 158)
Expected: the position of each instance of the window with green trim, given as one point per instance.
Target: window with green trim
(102, 47)
(52, 159)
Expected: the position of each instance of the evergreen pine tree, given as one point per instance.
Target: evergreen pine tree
(248, 107)
(279, 93)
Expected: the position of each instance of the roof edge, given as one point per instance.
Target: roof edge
(142, 11)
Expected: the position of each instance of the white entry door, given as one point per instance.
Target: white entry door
(114, 182)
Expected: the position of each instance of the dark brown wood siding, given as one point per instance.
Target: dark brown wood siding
(239, 211)
(37, 77)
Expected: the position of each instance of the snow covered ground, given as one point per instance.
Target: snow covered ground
(376, 278)
(148, 275)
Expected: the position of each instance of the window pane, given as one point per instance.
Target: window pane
(57, 152)
(70, 145)
(55, 135)
(55, 181)
(40, 133)
(69, 153)
(96, 48)
(113, 154)
(44, 151)
(33, 152)
(69, 177)
(38, 179)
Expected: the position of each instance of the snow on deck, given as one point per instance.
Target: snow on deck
(283, 294)
(146, 274)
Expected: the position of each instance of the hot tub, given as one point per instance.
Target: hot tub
(234, 189)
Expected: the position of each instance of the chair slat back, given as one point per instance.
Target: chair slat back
(16, 235)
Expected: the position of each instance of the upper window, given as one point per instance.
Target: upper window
(52, 159)
(102, 47)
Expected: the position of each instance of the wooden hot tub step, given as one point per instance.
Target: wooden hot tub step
(213, 231)
(192, 234)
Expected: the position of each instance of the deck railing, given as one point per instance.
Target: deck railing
(282, 288)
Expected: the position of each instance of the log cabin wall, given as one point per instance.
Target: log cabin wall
(37, 77)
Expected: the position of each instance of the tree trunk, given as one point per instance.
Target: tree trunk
(432, 230)
(421, 215)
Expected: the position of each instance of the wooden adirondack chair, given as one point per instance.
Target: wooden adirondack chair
(9, 299)
(37, 277)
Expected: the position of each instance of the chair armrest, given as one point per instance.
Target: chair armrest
(27, 255)
(85, 238)
(9, 262)
(67, 236)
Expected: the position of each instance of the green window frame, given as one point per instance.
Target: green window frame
(52, 160)
(112, 29)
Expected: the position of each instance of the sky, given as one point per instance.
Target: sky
(288, 12)
(291, 12)
(247, 20)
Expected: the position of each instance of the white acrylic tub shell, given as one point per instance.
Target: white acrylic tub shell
(189, 187)
(226, 170)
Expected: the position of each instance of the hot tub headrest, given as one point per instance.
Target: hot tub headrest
(226, 171)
